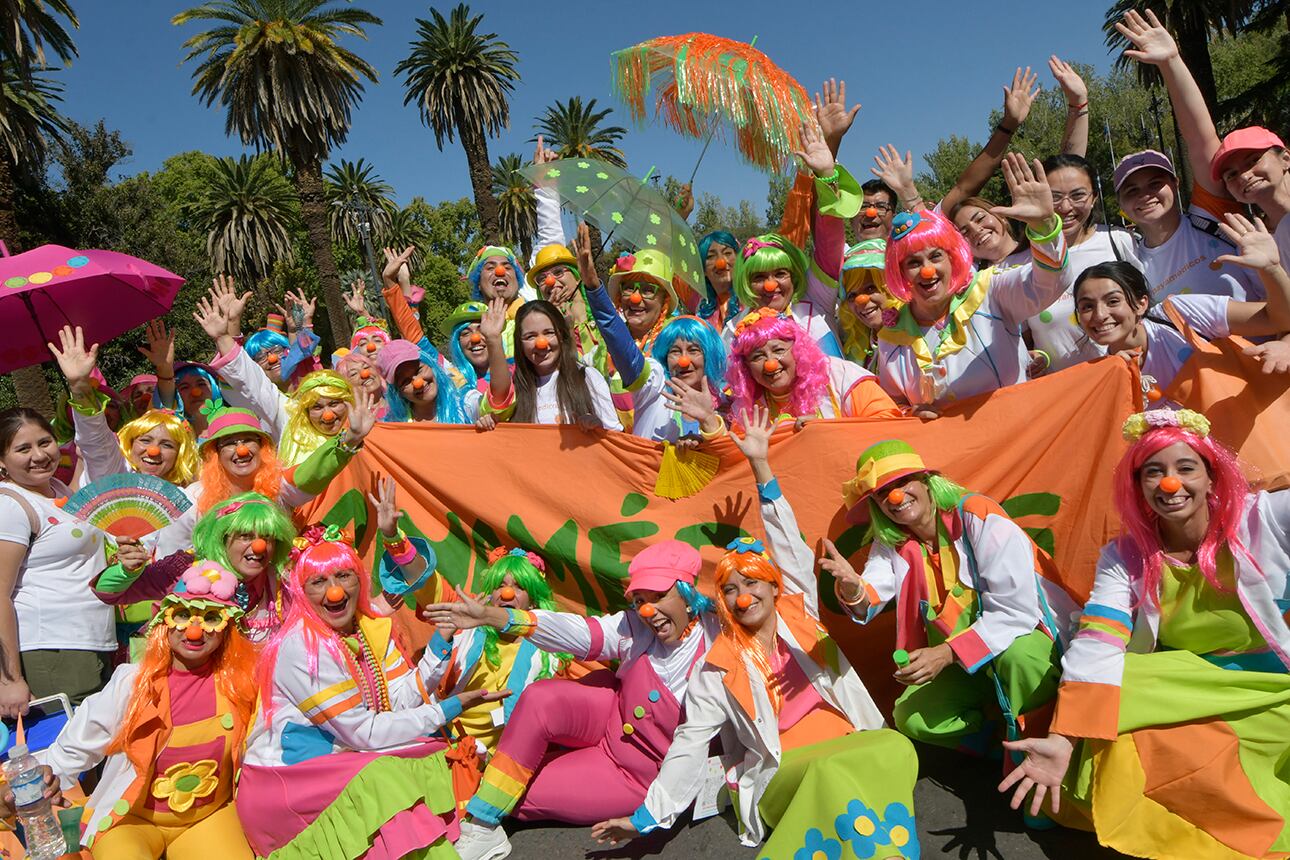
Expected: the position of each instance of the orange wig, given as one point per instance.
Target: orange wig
(216, 486)
(754, 565)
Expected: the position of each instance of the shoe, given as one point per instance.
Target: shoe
(478, 842)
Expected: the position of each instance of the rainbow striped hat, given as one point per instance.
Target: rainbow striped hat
(228, 421)
(879, 465)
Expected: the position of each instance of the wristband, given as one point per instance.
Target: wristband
(831, 179)
(399, 537)
(344, 448)
(161, 378)
(720, 431)
(404, 558)
(1077, 107)
(1003, 128)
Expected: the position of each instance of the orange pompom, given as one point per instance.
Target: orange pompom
(193, 632)
(259, 545)
(684, 362)
(771, 365)
(647, 610)
(743, 601)
(871, 212)
(418, 384)
(273, 358)
(328, 416)
(242, 451)
(507, 593)
(1154, 394)
(335, 594)
(927, 273)
(371, 346)
(540, 342)
(636, 298)
(721, 264)
(365, 373)
(153, 451)
(896, 497)
(1170, 484)
(549, 280)
(476, 337)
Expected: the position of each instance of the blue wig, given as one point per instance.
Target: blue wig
(695, 601)
(708, 306)
(477, 264)
(449, 407)
(458, 356)
(217, 394)
(263, 340)
(695, 331)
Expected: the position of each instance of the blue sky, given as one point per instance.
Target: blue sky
(129, 73)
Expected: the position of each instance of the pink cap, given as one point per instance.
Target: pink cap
(393, 354)
(142, 379)
(1254, 137)
(659, 567)
(1131, 164)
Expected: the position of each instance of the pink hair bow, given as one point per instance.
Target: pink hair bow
(752, 246)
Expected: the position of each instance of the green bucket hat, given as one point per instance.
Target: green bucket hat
(471, 311)
(879, 465)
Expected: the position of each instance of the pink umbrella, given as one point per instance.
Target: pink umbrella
(103, 292)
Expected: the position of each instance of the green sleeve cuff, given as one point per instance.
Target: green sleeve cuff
(1035, 237)
(642, 377)
(326, 462)
(98, 402)
(116, 579)
(842, 201)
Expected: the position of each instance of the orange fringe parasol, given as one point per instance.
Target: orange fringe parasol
(700, 76)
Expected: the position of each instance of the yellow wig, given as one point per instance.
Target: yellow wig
(300, 438)
(187, 463)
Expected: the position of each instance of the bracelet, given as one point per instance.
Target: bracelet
(831, 179)
(399, 537)
(720, 431)
(1003, 128)
(164, 378)
(405, 557)
(346, 448)
(1076, 107)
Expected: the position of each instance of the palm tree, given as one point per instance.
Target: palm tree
(27, 26)
(573, 130)
(277, 68)
(460, 80)
(405, 228)
(247, 211)
(353, 182)
(516, 205)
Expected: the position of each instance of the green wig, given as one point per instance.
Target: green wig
(945, 495)
(246, 513)
(527, 576)
(766, 253)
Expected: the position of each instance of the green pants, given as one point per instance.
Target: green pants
(949, 710)
(64, 670)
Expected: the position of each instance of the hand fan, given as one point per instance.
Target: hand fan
(129, 505)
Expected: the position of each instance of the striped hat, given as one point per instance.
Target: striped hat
(229, 421)
(877, 466)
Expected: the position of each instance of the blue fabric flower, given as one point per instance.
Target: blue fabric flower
(902, 833)
(862, 827)
(815, 844)
(746, 544)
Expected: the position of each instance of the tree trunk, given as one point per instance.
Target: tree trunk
(481, 181)
(1193, 46)
(313, 209)
(29, 383)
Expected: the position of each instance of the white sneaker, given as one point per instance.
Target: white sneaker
(478, 842)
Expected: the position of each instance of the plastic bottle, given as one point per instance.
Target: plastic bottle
(44, 835)
(900, 657)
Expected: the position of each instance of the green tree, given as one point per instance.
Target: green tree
(516, 203)
(278, 69)
(406, 228)
(574, 130)
(776, 196)
(460, 80)
(247, 210)
(353, 183)
(1252, 71)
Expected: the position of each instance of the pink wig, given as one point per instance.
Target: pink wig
(363, 360)
(812, 367)
(320, 557)
(1140, 545)
(932, 231)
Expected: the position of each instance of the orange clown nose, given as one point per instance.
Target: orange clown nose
(721, 264)
(636, 298)
(273, 358)
(541, 342)
(335, 594)
(371, 346)
(927, 273)
(418, 384)
(862, 300)
(770, 286)
(476, 337)
(871, 212)
(242, 451)
(507, 593)
(1170, 484)
(153, 451)
(743, 601)
(365, 373)
(193, 633)
(549, 280)
(647, 610)
(771, 365)
(259, 545)
(896, 497)
(328, 416)
(1154, 394)
(684, 362)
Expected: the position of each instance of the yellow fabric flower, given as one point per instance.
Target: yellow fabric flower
(184, 783)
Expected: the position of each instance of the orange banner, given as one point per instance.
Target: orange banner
(584, 501)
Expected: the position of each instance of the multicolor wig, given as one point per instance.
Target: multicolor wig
(699, 332)
(300, 438)
(1140, 545)
(448, 405)
(216, 486)
(234, 663)
(530, 578)
(932, 231)
(186, 460)
(247, 513)
(754, 565)
(477, 265)
(811, 382)
(708, 306)
(766, 253)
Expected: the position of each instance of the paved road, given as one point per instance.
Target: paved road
(960, 816)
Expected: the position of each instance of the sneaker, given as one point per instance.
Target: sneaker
(478, 842)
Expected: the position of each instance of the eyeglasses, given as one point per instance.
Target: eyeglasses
(182, 617)
(647, 291)
(1077, 198)
(883, 208)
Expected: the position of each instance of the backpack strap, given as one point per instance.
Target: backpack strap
(33, 524)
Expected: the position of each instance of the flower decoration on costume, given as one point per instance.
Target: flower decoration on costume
(890, 317)
(817, 843)
(625, 263)
(183, 784)
(898, 821)
(315, 534)
(747, 544)
(753, 245)
(862, 827)
(752, 318)
(498, 553)
(903, 224)
(1137, 425)
(208, 578)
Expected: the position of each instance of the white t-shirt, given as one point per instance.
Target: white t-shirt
(52, 596)
(548, 402)
(1185, 264)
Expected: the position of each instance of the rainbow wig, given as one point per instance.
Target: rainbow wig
(812, 367)
(748, 558)
(527, 571)
(263, 340)
(248, 513)
(300, 438)
(186, 459)
(930, 230)
(708, 306)
(696, 331)
(477, 266)
(766, 253)
(1139, 543)
(448, 404)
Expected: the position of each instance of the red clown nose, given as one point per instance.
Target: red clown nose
(328, 416)
(371, 346)
(549, 280)
(721, 264)
(193, 632)
(335, 594)
(871, 212)
(153, 451)
(927, 273)
(365, 373)
(647, 610)
(896, 497)
(507, 593)
(259, 545)
(771, 365)
(541, 342)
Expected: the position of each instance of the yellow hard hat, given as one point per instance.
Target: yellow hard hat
(548, 257)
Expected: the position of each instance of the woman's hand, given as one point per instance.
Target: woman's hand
(52, 793)
(471, 698)
(75, 360)
(493, 323)
(850, 585)
(832, 114)
(757, 428)
(160, 350)
(925, 664)
(1152, 43)
(541, 155)
(693, 403)
(132, 555)
(307, 307)
(390, 274)
(1273, 355)
(896, 173)
(486, 422)
(1043, 769)
(230, 303)
(815, 153)
(354, 298)
(362, 417)
(465, 613)
(14, 697)
(1018, 98)
(1032, 199)
(614, 830)
(210, 316)
(1068, 79)
(586, 259)
(1258, 249)
(384, 503)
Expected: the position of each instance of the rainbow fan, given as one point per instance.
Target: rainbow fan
(129, 505)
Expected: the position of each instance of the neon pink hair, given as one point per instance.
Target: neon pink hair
(932, 231)
(322, 558)
(812, 368)
(1140, 544)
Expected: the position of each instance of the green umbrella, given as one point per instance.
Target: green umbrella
(627, 207)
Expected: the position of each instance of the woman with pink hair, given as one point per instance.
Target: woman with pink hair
(959, 333)
(775, 363)
(340, 761)
(1177, 680)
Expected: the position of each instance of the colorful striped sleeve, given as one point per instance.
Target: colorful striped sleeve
(1105, 624)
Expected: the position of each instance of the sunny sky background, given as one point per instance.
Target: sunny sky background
(129, 73)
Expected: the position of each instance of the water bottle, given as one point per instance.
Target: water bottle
(44, 835)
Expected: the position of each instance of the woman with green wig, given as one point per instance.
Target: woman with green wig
(248, 534)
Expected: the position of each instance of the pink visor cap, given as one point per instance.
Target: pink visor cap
(659, 567)
(1131, 164)
(1254, 138)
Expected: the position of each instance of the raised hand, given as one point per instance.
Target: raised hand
(1152, 43)
(693, 403)
(307, 307)
(1043, 769)
(1032, 199)
(832, 114)
(541, 155)
(362, 417)
(815, 153)
(757, 428)
(75, 360)
(850, 585)
(354, 298)
(405, 271)
(211, 317)
(1068, 79)
(493, 323)
(586, 258)
(1018, 98)
(232, 305)
(384, 503)
(685, 201)
(1258, 248)
(392, 263)
(160, 350)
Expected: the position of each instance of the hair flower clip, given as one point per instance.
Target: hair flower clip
(747, 544)
(753, 245)
(625, 263)
(752, 318)
(1139, 425)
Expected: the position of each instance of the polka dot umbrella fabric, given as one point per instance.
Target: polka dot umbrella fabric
(104, 292)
